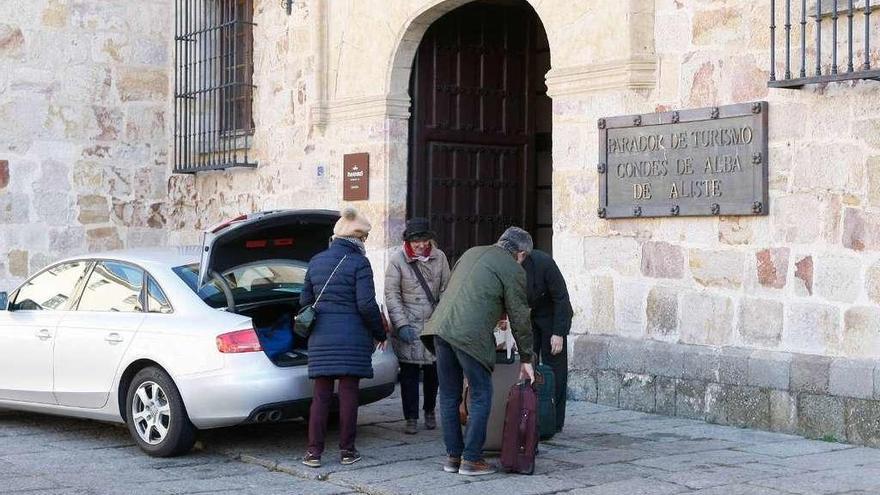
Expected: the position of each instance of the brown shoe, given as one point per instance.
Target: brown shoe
(477, 468)
(311, 460)
(412, 427)
(452, 464)
(430, 421)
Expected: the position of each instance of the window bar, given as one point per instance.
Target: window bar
(203, 160)
(246, 125)
(190, 102)
(224, 81)
(187, 102)
(788, 39)
(867, 65)
(215, 137)
(803, 38)
(234, 44)
(849, 15)
(818, 37)
(834, 17)
(176, 157)
(772, 40)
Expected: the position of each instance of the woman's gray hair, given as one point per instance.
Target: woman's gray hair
(516, 240)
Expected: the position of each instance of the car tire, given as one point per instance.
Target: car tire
(156, 416)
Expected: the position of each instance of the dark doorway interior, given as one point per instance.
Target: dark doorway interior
(480, 131)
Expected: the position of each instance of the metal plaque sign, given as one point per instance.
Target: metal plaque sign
(356, 177)
(708, 161)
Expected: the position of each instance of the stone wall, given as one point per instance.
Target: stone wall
(84, 129)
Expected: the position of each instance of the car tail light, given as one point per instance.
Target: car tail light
(239, 341)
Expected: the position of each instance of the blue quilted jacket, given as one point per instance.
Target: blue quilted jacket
(348, 318)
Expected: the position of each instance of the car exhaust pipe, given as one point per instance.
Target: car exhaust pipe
(260, 417)
(274, 416)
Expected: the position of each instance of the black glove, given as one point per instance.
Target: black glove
(407, 333)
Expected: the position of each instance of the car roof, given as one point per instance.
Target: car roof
(167, 256)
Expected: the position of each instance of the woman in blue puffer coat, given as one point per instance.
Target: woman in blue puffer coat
(341, 344)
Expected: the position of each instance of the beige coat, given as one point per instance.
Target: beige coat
(407, 302)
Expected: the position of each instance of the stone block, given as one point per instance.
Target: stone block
(717, 268)
(103, 239)
(619, 253)
(811, 328)
(601, 316)
(629, 308)
(690, 399)
(590, 353)
(662, 312)
(714, 406)
(863, 422)
(662, 260)
(861, 231)
(18, 263)
(772, 267)
(11, 41)
(852, 378)
(877, 382)
(708, 319)
(663, 358)
(783, 412)
(627, 355)
(700, 363)
(4, 174)
(93, 209)
(746, 406)
(810, 373)
(140, 84)
(664, 395)
(733, 365)
(637, 392)
(735, 231)
(608, 388)
(803, 272)
(860, 336)
(770, 369)
(582, 385)
(872, 282)
(821, 416)
(760, 322)
(838, 278)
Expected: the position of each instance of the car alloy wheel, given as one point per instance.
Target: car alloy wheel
(151, 413)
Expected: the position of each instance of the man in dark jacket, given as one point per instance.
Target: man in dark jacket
(551, 321)
(487, 282)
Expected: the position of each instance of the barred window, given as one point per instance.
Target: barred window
(213, 85)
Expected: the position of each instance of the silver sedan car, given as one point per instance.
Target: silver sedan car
(172, 340)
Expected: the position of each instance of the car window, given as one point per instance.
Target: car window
(156, 300)
(52, 289)
(113, 286)
(254, 282)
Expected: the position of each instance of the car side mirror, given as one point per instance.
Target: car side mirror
(4, 301)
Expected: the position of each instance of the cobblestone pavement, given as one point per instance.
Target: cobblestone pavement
(602, 451)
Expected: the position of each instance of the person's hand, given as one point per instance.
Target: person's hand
(380, 346)
(503, 325)
(407, 333)
(527, 371)
(556, 343)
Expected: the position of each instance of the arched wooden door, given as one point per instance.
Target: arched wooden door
(472, 158)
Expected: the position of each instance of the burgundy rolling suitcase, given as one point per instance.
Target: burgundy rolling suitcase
(519, 445)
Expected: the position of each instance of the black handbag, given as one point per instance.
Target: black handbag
(304, 321)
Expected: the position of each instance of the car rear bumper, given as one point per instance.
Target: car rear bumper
(249, 384)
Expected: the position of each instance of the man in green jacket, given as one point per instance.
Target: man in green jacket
(487, 282)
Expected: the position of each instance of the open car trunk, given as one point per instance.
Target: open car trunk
(241, 246)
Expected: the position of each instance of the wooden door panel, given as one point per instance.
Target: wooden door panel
(471, 172)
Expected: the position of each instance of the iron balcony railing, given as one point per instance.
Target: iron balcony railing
(213, 84)
(822, 68)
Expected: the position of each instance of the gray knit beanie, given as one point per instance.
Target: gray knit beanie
(515, 240)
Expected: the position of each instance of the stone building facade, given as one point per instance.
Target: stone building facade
(768, 321)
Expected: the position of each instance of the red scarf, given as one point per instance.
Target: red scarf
(410, 252)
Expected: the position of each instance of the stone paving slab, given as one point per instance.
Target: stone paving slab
(602, 451)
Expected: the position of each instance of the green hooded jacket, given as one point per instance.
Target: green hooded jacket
(486, 283)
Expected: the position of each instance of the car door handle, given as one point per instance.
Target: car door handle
(113, 338)
(44, 334)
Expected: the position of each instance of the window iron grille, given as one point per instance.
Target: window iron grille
(213, 84)
(822, 68)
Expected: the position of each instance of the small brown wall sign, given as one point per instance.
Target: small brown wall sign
(356, 177)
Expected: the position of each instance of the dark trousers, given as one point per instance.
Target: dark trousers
(320, 411)
(409, 388)
(452, 366)
(559, 364)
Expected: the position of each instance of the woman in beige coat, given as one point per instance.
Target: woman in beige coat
(411, 302)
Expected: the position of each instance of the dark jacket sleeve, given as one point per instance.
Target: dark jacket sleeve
(562, 311)
(516, 304)
(366, 301)
(307, 296)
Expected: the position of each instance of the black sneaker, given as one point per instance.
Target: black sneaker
(476, 468)
(349, 457)
(430, 420)
(311, 460)
(412, 427)
(452, 464)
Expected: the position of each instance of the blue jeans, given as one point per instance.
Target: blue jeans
(452, 366)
